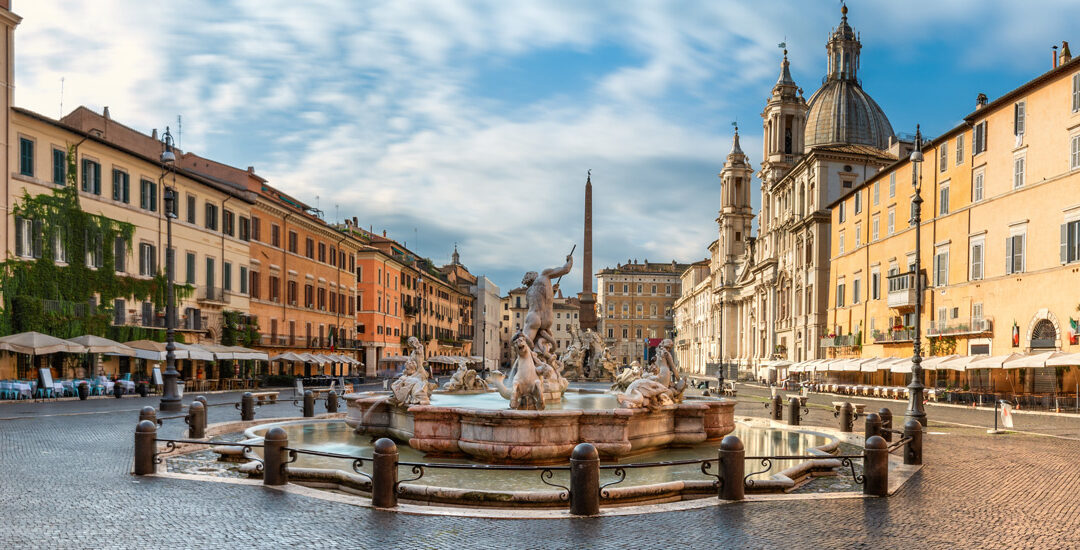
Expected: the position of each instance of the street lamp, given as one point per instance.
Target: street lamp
(170, 398)
(915, 410)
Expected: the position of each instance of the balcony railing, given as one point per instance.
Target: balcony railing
(902, 290)
(844, 341)
(958, 327)
(212, 294)
(893, 335)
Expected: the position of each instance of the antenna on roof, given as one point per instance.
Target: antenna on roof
(335, 213)
(61, 97)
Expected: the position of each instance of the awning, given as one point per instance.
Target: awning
(97, 344)
(1064, 360)
(958, 363)
(309, 358)
(931, 363)
(992, 362)
(394, 359)
(247, 354)
(36, 343)
(902, 365)
(196, 352)
(287, 356)
(1031, 361)
(875, 364)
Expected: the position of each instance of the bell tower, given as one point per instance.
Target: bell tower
(784, 118)
(736, 214)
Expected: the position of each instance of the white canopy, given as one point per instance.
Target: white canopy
(931, 363)
(97, 344)
(36, 343)
(991, 362)
(875, 364)
(195, 351)
(245, 353)
(1063, 360)
(309, 358)
(1031, 361)
(287, 356)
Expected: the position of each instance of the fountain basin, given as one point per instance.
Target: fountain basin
(500, 435)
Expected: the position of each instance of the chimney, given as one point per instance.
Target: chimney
(980, 101)
(153, 134)
(1066, 55)
(383, 232)
(105, 111)
(1053, 57)
(251, 169)
(354, 222)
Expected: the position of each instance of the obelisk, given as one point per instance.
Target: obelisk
(587, 309)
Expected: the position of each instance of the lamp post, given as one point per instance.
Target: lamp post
(915, 410)
(170, 398)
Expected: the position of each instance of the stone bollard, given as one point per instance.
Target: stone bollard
(309, 404)
(585, 480)
(331, 401)
(196, 420)
(913, 448)
(732, 468)
(793, 411)
(145, 447)
(384, 474)
(876, 467)
(202, 399)
(847, 423)
(247, 406)
(886, 424)
(274, 470)
(777, 407)
(148, 413)
(873, 426)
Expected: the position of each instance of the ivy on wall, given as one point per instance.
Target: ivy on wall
(239, 329)
(54, 298)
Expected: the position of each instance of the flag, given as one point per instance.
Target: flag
(1074, 333)
(1006, 415)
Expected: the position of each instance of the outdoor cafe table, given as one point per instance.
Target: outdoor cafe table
(23, 389)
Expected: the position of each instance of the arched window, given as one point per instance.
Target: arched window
(1044, 335)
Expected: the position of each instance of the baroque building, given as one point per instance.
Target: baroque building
(770, 290)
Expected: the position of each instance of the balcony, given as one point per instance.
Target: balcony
(902, 290)
(844, 341)
(271, 340)
(213, 294)
(893, 336)
(960, 327)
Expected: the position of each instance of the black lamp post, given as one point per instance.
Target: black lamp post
(170, 399)
(915, 408)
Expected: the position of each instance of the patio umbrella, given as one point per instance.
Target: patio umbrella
(151, 350)
(931, 363)
(1031, 361)
(1064, 360)
(36, 343)
(874, 364)
(287, 356)
(958, 363)
(220, 352)
(309, 358)
(992, 362)
(97, 344)
(245, 353)
(195, 351)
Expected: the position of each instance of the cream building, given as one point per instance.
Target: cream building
(512, 310)
(635, 302)
(695, 322)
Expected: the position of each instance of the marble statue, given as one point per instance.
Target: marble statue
(465, 379)
(660, 384)
(668, 370)
(540, 298)
(413, 386)
(527, 391)
(645, 392)
(626, 377)
(573, 361)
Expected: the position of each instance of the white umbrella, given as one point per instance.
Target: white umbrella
(97, 344)
(994, 362)
(36, 343)
(901, 366)
(287, 356)
(245, 353)
(196, 352)
(931, 363)
(958, 363)
(874, 364)
(1032, 361)
(309, 358)
(1064, 360)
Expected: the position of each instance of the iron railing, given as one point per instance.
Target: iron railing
(170, 446)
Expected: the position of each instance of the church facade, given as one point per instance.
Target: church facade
(769, 290)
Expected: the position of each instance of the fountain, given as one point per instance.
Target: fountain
(544, 421)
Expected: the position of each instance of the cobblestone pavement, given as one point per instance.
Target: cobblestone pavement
(65, 484)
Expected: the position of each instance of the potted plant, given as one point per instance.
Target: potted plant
(143, 388)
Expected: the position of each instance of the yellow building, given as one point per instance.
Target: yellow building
(1000, 239)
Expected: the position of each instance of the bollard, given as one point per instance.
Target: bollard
(886, 424)
(777, 407)
(148, 413)
(202, 399)
(584, 480)
(118, 390)
(876, 467)
(145, 447)
(331, 401)
(274, 470)
(384, 472)
(873, 426)
(196, 420)
(309, 404)
(247, 406)
(793, 411)
(732, 468)
(913, 448)
(847, 423)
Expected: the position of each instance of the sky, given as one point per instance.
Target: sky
(473, 123)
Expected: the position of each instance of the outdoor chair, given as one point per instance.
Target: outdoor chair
(5, 390)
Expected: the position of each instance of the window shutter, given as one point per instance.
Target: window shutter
(18, 236)
(97, 179)
(1008, 255)
(85, 175)
(1064, 243)
(37, 227)
(153, 197)
(116, 185)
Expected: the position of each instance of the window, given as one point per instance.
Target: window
(960, 149)
(245, 229)
(226, 276)
(943, 162)
(941, 268)
(275, 289)
(94, 257)
(840, 295)
(1074, 152)
(191, 209)
(243, 280)
(256, 229)
(976, 260)
(943, 199)
(848, 183)
(228, 223)
(91, 177)
(892, 220)
(210, 273)
(877, 192)
(27, 238)
(58, 251)
(1014, 254)
(120, 255)
(253, 285)
(333, 259)
(875, 285)
(147, 260)
(26, 157)
(293, 242)
(842, 214)
(309, 248)
(892, 185)
(189, 271)
(275, 235)
(856, 290)
(1018, 118)
(840, 246)
(874, 223)
(858, 234)
(1070, 242)
(211, 216)
(977, 187)
(59, 166)
(148, 195)
(858, 202)
(980, 138)
(322, 255)
(1018, 172)
(1076, 92)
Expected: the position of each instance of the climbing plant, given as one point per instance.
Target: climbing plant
(71, 259)
(238, 329)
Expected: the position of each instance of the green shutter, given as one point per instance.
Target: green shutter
(85, 175)
(116, 185)
(97, 179)
(18, 236)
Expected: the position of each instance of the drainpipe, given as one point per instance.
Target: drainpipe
(285, 267)
(237, 223)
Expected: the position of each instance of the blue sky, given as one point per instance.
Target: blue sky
(475, 122)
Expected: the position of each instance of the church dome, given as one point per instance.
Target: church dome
(841, 112)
